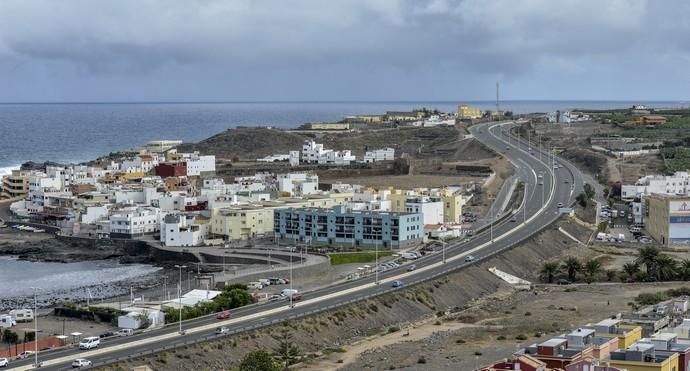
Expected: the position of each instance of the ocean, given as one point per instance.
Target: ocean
(56, 281)
(79, 132)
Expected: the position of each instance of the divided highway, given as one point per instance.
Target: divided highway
(539, 209)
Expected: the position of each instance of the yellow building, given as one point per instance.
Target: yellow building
(452, 201)
(368, 118)
(452, 206)
(627, 334)
(656, 364)
(467, 112)
(329, 126)
(243, 222)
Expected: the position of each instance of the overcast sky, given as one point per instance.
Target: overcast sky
(249, 50)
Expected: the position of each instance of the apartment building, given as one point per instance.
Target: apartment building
(184, 230)
(467, 112)
(135, 222)
(341, 226)
(198, 165)
(15, 184)
(242, 222)
(426, 201)
(315, 153)
(669, 219)
(643, 356)
(676, 184)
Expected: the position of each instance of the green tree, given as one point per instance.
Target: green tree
(548, 271)
(590, 192)
(611, 274)
(666, 267)
(572, 267)
(286, 351)
(647, 256)
(10, 337)
(631, 270)
(582, 199)
(591, 269)
(258, 361)
(684, 269)
(29, 336)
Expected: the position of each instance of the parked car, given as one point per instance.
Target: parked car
(469, 258)
(81, 362)
(25, 354)
(4, 362)
(89, 342)
(124, 332)
(397, 283)
(563, 281)
(411, 268)
(223, 315)
(222, 330)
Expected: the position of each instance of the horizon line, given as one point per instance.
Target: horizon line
(343, 101)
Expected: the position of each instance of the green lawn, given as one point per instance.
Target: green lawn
(357, 257)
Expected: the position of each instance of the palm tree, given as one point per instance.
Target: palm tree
(548, 271)
(647, 256)
(666, 267)
(591, 267)
(684, 269)
(631, 269)
(571, 266)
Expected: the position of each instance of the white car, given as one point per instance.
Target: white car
(81, 362)
(222, 330)
(469, 258)
(25, 354)
(4, 362)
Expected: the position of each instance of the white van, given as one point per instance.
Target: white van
(89, 342)
(288, 292)
(255, 285)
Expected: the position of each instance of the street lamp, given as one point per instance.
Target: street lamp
(444, 243)
(179, 294)
(292, 293)
(35, 328)
(376, 249)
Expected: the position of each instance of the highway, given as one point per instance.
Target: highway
(538, 210)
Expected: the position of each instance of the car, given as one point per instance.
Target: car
(469, 258)
(89, 342)
(124, 332)
(296, 297)
(411, 268)
(4, 362)
(560, 204)
(222, 330)
(566, 181)
(397, 283)
(223, 315)
(276, 297)
(81, 362)
(563, 281)
(25, 354)
(513, 219)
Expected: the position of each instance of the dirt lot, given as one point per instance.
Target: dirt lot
(406, 181)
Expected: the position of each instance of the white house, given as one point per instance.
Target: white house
(431, 208)
(198, 165)
(183, 230)
(298, 184)
(383, 154)
(135, 222)
(313, 152)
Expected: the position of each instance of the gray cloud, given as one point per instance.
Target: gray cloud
(357, 49)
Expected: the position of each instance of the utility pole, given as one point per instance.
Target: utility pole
(292, 305)
(444, 251)
(179, 295)
(35, 328)
(376, 253)
(491, 225)
(524, 207)
(497, 105)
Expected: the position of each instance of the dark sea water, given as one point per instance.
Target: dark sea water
(79, 132)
